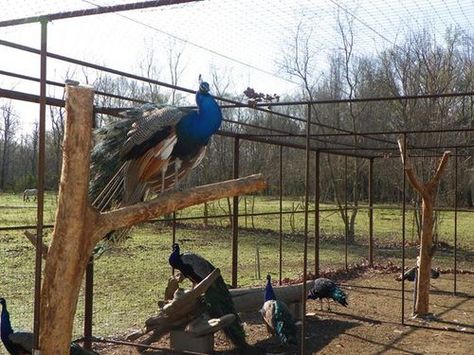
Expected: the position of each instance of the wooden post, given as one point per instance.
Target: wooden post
(428, 195)
(71, 245)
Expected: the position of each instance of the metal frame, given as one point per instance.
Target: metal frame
(328, 142)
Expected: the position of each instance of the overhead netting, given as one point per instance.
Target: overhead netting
(246, 38)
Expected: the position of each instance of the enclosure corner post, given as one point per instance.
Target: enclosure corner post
(71, 243)
(40, 184)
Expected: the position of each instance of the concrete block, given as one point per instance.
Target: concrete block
(295, 310)
(185, 341)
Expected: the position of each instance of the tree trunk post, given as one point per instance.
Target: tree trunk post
(423, 279)
(71, 246)
(428, 195)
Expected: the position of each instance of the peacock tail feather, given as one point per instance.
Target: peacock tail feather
(284, 324)
(220, 303)
(76, 349)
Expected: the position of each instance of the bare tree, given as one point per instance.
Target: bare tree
(9, 125)
(176, 69)
(57, 137)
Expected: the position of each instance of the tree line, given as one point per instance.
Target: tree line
(421, 64)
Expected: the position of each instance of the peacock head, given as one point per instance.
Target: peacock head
(3, 302)
(176, 247)
(269, 278)
(203, 86)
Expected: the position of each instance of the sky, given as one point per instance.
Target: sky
(244, 40)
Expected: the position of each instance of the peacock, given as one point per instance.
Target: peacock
(18, 343)
(326, 288)
(151, 148)
(277, 316)
(218, 298)
(410, 274)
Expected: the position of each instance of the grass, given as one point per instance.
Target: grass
(130, 279)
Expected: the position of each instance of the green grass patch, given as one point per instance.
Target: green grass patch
(130, 279)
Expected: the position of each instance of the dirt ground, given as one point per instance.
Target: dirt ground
(370, 325)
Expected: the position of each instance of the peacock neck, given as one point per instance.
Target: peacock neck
(208, 110)
(5, 327)
(269, 294)
(174, 259)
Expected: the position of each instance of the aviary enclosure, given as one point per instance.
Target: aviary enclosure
(313, 149)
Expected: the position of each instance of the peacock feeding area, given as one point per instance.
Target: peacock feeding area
(370, 324)
(236, 177)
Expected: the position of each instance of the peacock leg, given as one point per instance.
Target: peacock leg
(164, 169)
(177, 166)
(320, 304)
(329, 304)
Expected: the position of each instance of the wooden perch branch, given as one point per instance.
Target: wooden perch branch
(32, 238)
(174, 200)
(409, 171)
(439, 171)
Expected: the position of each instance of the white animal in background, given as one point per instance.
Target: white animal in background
(30, 193)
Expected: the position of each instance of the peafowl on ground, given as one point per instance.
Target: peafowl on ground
(219, 301)
(410, 274)
(18, 343)
(151, 148)
(277, 316)
(328, 289)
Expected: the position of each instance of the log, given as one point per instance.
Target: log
(251, 299)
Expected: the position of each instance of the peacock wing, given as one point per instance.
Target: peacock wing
(147, 126)
(23, 339)
(184, 168)
(410, 274)
(200, 266)
(323, 286)
(268, 311)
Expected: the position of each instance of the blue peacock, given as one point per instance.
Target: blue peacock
(18, 343)
(151, 148)
(277, 316)
(328, 289)
(218, 298)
